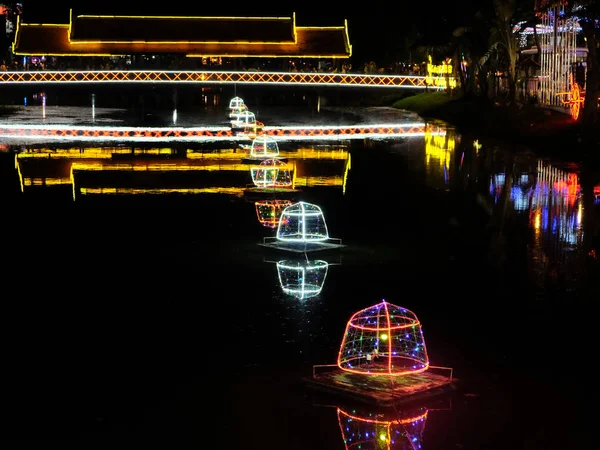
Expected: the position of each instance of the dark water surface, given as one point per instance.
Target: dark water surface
(134, 313)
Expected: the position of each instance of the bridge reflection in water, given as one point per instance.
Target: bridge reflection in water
(133, 170)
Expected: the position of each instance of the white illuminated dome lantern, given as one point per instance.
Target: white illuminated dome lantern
(236, 103)
(264, 147)
(236, 108)
(302, 222)
(244, 119)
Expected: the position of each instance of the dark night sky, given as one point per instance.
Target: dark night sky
(308, 12)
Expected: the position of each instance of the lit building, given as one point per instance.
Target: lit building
(185, 41)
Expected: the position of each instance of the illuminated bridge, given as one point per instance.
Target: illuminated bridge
(197, 41)
(202, 78)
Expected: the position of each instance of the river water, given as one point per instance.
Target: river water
(138, 306)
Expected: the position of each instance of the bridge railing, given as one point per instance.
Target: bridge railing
(219, 77)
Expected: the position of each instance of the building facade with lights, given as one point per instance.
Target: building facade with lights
(181, 42)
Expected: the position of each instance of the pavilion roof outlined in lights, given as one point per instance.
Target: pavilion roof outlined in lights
(238, 37)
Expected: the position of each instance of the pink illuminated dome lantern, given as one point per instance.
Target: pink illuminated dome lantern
(383, 339)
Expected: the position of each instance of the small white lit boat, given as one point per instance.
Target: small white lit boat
(236, 107)
(236, 103)
(235, 113)
(246, 122)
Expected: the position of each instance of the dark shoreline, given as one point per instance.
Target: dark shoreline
(545, 132)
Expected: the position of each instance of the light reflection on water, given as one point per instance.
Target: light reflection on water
(306, 167)
(373, 429)
(287, 311)
(548, 199)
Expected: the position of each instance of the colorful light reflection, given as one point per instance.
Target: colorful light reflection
(264, 147)
(374, 430)
(439, 150)
(521, 190)
(302, 278)
(272, 173)
(556, 205)
(269, 211)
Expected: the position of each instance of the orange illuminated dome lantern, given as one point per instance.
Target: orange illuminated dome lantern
(383, 339)
(269, 211)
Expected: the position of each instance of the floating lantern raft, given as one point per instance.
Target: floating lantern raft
(302, 229)
(383, 360)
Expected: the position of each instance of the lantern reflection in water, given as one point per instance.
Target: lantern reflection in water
(272, 173)
(378, 430)
(269, 211)
(264, 147)
(302, 278)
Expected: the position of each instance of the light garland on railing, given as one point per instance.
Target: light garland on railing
(211, 134)
(215, 77)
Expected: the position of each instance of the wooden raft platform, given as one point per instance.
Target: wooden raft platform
(378, 390)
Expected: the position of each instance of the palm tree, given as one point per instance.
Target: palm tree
(504, 37)
(588, 12)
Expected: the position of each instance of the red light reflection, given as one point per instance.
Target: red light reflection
(269, 211)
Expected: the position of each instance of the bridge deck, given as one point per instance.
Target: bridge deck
(216, 77)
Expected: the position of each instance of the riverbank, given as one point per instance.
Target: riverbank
(544, 131)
